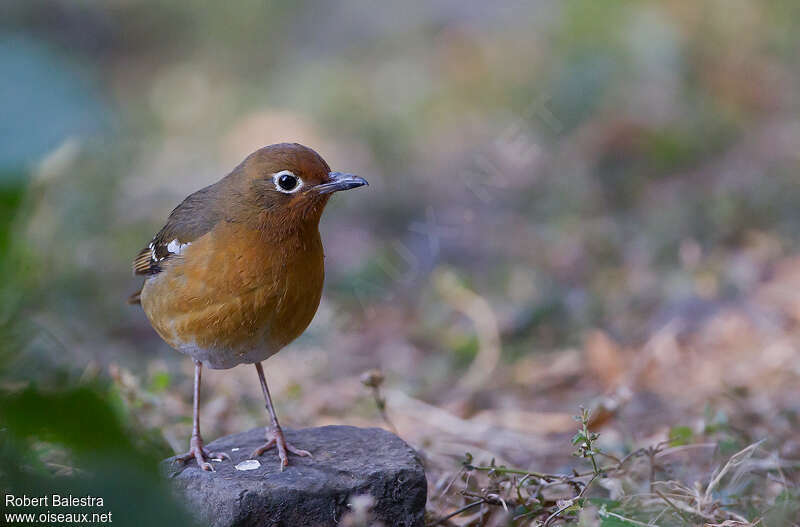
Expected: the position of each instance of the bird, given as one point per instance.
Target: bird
(236, 272)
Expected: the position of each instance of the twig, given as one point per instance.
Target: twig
(604, 512)
(734, 460)
(374, 379)
(487, 330)
(571, 502)
(528, 473)
(669, 502)
(555, 514)
(465, 508)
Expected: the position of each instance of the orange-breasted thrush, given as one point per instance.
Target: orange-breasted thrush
(236, 273)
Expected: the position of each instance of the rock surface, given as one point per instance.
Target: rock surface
(313, 492)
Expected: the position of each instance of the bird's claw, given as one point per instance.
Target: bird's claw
(276, 439)
(198, 452)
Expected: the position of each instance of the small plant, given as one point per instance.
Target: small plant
(373, 379)
(747, 488)
(526, 495)
(585, 439)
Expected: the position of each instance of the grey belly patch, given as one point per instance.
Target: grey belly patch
(223, 359)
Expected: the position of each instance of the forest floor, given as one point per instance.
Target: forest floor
(698, 425)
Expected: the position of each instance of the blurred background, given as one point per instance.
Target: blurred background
(570, 203)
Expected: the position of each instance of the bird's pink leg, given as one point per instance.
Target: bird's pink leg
(196, 448)
(275, 437)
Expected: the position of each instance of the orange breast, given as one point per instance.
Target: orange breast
(235, 295)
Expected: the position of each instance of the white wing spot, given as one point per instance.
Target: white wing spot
(176, 247)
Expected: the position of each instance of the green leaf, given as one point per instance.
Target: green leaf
(159, 382)
(680, 435)
(82, 428)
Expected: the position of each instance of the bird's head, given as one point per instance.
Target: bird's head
(288, 183)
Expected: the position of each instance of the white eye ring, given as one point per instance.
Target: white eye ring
(276, 177)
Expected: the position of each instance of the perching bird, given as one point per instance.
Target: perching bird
(236, 273)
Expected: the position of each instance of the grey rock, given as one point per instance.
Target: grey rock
(313, 492)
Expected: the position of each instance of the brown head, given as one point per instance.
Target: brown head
(285, 184)
(279, 190)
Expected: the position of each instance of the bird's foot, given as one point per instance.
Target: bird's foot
(201, 454)
(275, 439)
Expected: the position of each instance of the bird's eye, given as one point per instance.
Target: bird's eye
(287, 182)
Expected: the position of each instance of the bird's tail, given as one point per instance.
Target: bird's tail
(135, 298)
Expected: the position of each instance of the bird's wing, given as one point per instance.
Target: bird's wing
(193, 218)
